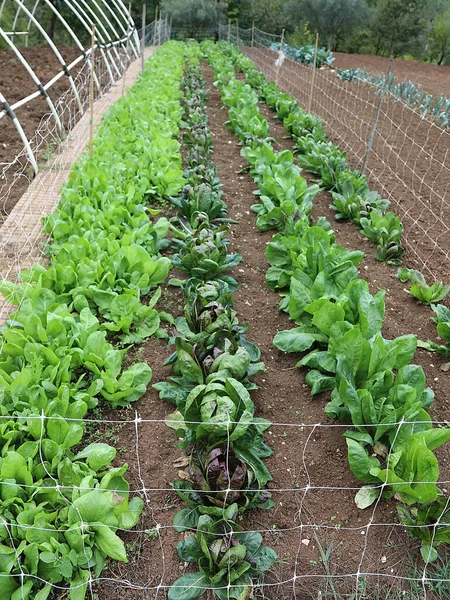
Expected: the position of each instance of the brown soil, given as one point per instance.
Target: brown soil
(15, 84)
(434, 79)
(313, 488)
(408, 163)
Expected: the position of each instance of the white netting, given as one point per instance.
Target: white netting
(324, 550)
(323, 544)
(408, 162)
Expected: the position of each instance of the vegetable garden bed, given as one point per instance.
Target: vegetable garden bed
(323, 542)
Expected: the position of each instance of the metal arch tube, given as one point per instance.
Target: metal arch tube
(49, 41)
(116, 18)
(88, 28)
(22, 135)
(126, 12)
(64, 22)
(29, 22)
(74, 37)
(121, 25)
(103, 37)
(16, 17)
(47, 86)
(88, 24)
(76, 40)
(33, 76)
(110, 25)
(130, 23)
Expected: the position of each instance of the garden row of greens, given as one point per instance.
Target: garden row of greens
(60, 511)
(305, 54)
(352, 198)
(213, 365)
(374, 387)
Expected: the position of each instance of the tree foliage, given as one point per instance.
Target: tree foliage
(439, 41)
(193, 15)
(333, 18)
(398, 24)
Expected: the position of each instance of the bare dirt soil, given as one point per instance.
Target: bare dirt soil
(313, 488)
(435, 79)
(15, 84)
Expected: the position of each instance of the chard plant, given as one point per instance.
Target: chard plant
(202, 253)
(424, 293)
(230, 561)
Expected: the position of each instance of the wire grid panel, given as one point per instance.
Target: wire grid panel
(298, 527)
(409, 161)
(21, 237)
(252, 37)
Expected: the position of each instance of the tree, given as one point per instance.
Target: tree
(333, 18)
(439, 40)
(400, 24)
(136, 10)
(193, 15)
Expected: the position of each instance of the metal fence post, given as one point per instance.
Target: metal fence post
(313, 76)
(377, 116)
(144, 8)
(280, 59)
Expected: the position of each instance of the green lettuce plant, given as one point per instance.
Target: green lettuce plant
(424, 293)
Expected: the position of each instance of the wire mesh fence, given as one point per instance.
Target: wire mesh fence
(409, 156)
(346, 554)
(331, 558)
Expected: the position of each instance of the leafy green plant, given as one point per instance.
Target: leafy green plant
(201, 199)
(382, 229)
(442, 319)
(353, 200)
(216, 479)
(299, 124)
(426, 294)
(203, 253)
(385, 230)
(428, 523)
(322, 158)
(229, 561)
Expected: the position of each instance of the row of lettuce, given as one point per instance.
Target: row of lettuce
(374, 387)
(61, 510)
(352, 198)
(213, 365)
